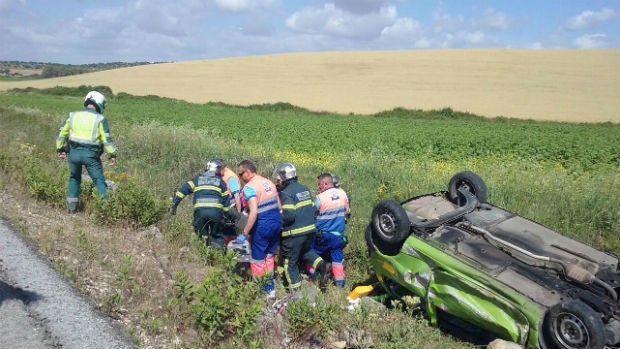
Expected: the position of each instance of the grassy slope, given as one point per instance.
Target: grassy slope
(556, 179)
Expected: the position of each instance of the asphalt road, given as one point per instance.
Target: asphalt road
(39, 308)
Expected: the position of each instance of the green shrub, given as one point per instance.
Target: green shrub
(305, 318)
(131, 201)
(226, 309)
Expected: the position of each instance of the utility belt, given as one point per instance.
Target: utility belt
(93, 147)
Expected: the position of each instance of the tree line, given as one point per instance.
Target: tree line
(54, 70)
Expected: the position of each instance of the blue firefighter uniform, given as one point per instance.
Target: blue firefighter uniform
(298, 230)
(211, 199)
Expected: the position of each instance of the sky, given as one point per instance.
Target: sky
(88, 31)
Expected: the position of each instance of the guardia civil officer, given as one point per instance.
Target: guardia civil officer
(82, 138)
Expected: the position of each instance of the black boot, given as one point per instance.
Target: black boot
(324, 268)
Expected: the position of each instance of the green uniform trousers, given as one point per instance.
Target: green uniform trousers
(90, 158)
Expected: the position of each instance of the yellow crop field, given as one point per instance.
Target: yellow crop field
(560, 85)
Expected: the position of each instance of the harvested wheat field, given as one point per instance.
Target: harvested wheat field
(560, 85)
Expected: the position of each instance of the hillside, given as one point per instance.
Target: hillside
(561, 85)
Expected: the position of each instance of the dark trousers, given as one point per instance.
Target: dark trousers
(295, 250)
(208, 225)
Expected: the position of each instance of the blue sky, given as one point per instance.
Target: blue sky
(87, 31)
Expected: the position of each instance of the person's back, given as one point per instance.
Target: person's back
(296, 198)
(332, 208)
(211, 199)
(82, 138)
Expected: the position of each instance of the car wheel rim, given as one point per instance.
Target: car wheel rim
(387, 223)
(571, 331)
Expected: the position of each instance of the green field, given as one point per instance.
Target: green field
(564, 175)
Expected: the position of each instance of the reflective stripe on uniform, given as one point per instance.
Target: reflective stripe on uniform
(268, 205)
(207, 187)
(297, 205)
(298, 230)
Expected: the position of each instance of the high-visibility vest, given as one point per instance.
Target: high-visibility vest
(228, 173)
(332, 207)
(86, 128)
(266, 197)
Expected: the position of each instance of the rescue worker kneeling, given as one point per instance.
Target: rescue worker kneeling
(298, 229)
(211, 199)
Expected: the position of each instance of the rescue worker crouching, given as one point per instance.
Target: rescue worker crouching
(211, 199)
(84, 135)
(298, 229)
(332, 210)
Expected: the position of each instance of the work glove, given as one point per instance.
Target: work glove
(241, 238)
(173, 210)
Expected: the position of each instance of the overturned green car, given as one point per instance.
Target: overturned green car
(494, 269)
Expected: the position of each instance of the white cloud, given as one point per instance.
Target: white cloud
(591, 41)
(588, 19)
(332, 21)
(360, 6)
(243, 5)
(493, 20)
(457, 31)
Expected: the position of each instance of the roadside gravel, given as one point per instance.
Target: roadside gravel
(39, 308)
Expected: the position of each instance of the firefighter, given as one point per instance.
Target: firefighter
(82, 138)
(264, 223)
(298, 229)
(332, 211)
(211, 199)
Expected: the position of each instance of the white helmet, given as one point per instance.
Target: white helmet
(284, 171)
(215, 166)
(96, 99)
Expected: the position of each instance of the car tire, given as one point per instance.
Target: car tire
(574, 325)
(470, 181)
(390, 227)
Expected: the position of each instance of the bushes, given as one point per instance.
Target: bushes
(223, 306)
(41, 179)
(47, 181)
(130, 202)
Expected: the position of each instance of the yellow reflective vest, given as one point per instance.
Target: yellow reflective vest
(85, 128)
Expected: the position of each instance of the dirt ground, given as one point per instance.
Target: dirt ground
(559, 85)
(94, 254)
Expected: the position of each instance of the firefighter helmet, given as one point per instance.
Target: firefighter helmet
(285, 171)
(215, 166)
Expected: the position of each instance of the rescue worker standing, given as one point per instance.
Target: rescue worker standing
(298, 229)
(264, 223)
(332, 209)
(85, 135)
(211, 199)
